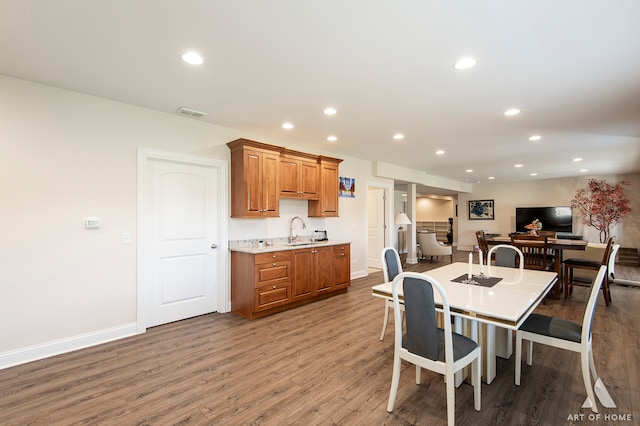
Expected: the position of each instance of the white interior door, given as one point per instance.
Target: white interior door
(179, 240)
(375, 226)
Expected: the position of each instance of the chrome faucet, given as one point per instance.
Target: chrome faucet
(292, 238)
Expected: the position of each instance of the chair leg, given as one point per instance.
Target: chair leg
(395, 380)
(477, 378)
(387, 308)
(418, 374)
(565, 279)
(529, 352)
(605, 291)
(599, 389)
(585, 360)
(451, 400)
(518, 356)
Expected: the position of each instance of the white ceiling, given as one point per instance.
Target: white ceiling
(572, 67)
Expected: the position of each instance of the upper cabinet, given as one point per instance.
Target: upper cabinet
(299, 177)
(261, 174)
(327, 203)
(255, 179)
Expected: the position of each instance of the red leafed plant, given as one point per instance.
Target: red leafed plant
(601, 205)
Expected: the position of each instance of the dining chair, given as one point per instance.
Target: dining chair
(427, 346)
(505, 255)
(565, 334)
(535, 249)
(391, 267)
(482, 243)
(593, 265)
(430, 246)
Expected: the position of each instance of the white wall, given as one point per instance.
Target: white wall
(67, 155)
(432, 209)
(551, 192)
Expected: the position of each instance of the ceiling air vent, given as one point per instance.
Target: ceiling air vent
(191, 112)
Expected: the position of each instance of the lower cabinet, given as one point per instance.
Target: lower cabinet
(265, 283)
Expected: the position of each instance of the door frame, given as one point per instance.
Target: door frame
(388, 212)
(220, 166)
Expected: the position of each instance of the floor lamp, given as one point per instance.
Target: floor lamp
(401, 219)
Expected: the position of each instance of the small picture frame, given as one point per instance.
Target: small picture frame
(347, 187)
(481, 210)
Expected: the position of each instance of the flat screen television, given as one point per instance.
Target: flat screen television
(557, 219)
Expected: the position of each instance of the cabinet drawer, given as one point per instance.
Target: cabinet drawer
(267, 297)
(273, 256)
(268, 273)
(341, 250)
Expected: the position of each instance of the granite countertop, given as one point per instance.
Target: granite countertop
(280, 247)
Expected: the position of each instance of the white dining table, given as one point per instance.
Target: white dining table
(506, 304)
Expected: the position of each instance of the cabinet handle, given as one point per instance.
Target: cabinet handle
(274, 287)
(274, 264)
(342, 254)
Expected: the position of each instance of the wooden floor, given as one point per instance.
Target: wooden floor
(320, 364)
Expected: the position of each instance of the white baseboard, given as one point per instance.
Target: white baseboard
(57, 347)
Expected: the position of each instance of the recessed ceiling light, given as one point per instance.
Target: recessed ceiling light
(440, 152)
(469, 170)
(332, 138)
(287, 126)
(192, 58)
(533, 174)
(517, 165)
(535, 138)
(491, 177)
(398, 136)
(583, 170)
(511, 112)
(330, 111)
(577, 159)
(465, 63)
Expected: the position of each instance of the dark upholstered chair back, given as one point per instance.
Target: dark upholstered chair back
(420, 316)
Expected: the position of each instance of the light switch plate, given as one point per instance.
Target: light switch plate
(92, 222)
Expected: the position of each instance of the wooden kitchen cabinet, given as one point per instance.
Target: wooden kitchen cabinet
(327, 203)
(270, 282)
(312, 272)
(299, 176)
(261, 174)
(255, 179)
(260, 282)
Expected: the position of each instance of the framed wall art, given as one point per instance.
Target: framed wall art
(347, 187)
(481, 209)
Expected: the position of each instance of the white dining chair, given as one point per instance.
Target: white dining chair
(391, 267)
(505, 255)
(427, 346)
(574, 337)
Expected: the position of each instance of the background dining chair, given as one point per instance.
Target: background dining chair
(427, 346)
(535, 249)
(564, 334)
(592, 265)
(482, 243)
(430, 246)
(505, 255)
(391, 267)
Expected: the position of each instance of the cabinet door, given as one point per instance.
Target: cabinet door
(323, 264)
(289, 177)
(253, 183)
(330, 189)
(309, 180)
(302, 277)
(342, 265)
(271, 185)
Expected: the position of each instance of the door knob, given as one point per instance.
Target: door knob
(214, 246)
